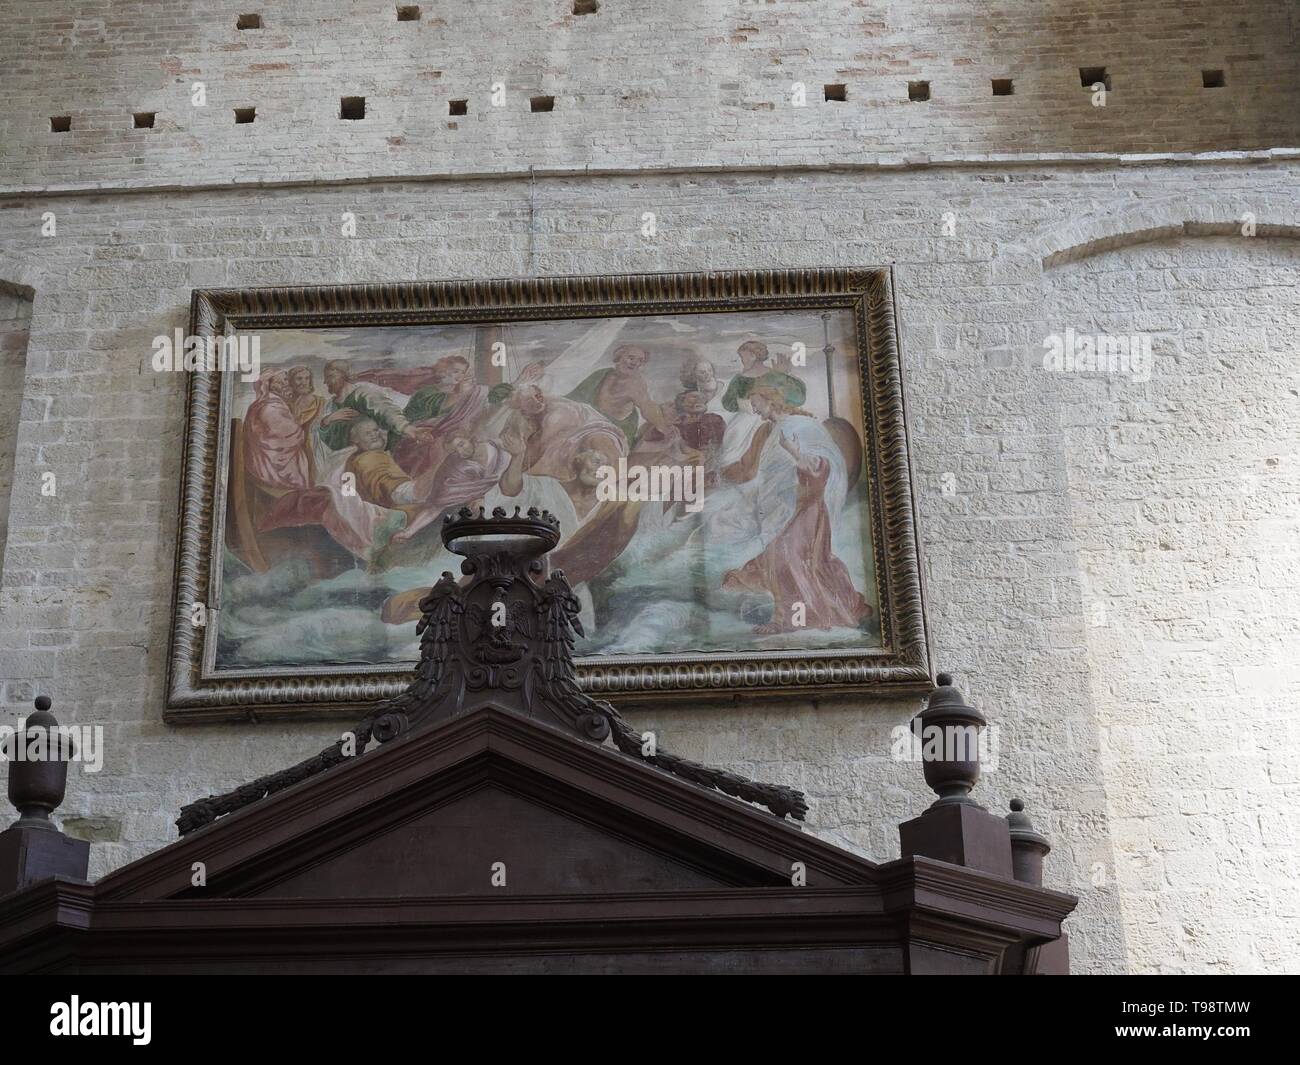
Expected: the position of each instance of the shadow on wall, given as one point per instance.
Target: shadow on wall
(1185, 492)
(15, 323)
(1078, 80)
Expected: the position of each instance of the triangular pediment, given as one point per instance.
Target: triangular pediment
(492, 839)
(489, 803)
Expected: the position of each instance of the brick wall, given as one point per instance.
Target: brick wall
(641, 83)
(1186, 500)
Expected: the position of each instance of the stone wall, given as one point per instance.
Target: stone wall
(1004, 499)
(1111, 562)
(15, 314)
(640, 83)
(1186, 500)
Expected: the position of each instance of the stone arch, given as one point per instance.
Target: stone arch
(1161, 220)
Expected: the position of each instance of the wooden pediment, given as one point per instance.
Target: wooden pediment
(496, 843)
(508, 822)
(492, 803)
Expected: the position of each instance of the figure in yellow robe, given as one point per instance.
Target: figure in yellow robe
(378, 477)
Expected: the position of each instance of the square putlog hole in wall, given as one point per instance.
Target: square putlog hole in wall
(408, 13)
(1090, 76)
(248, 22)
(1004, 87)
(586, 7)
(60, 123)
(244, 115)
(918, 91)
(1212, 79)
(541, 103)
(835, 93)
(353, 108)
(457, 107)
(143, 120)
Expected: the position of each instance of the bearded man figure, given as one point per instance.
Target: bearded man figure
(621, 394)
(452, 405)
(351, 399)
(275, 443)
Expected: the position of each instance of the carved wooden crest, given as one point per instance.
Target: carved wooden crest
(502, 636)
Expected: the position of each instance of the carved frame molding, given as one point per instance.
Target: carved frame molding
(196, 693)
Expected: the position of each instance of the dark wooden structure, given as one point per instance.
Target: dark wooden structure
(494, 819)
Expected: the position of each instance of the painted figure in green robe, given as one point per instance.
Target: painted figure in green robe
(453, 402)
(351, 400)
(756, 373)
(453, 387)
(621, 394)
(439, 399)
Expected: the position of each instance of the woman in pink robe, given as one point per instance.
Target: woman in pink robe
(798, 568)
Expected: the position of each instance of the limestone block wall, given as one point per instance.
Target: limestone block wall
(1186, 502)
(15, 314)
(1013, 518)
(1111, 561)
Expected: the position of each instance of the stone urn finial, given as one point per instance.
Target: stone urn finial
(949, 731)
(1028, 848)
(955, 829)
(38, 768)
(33, 848)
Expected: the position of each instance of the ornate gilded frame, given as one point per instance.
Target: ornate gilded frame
(902, 664)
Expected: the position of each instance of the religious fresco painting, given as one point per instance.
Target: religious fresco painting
(327, 477)
(354, 443)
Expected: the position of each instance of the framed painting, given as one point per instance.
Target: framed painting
(727, 455)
